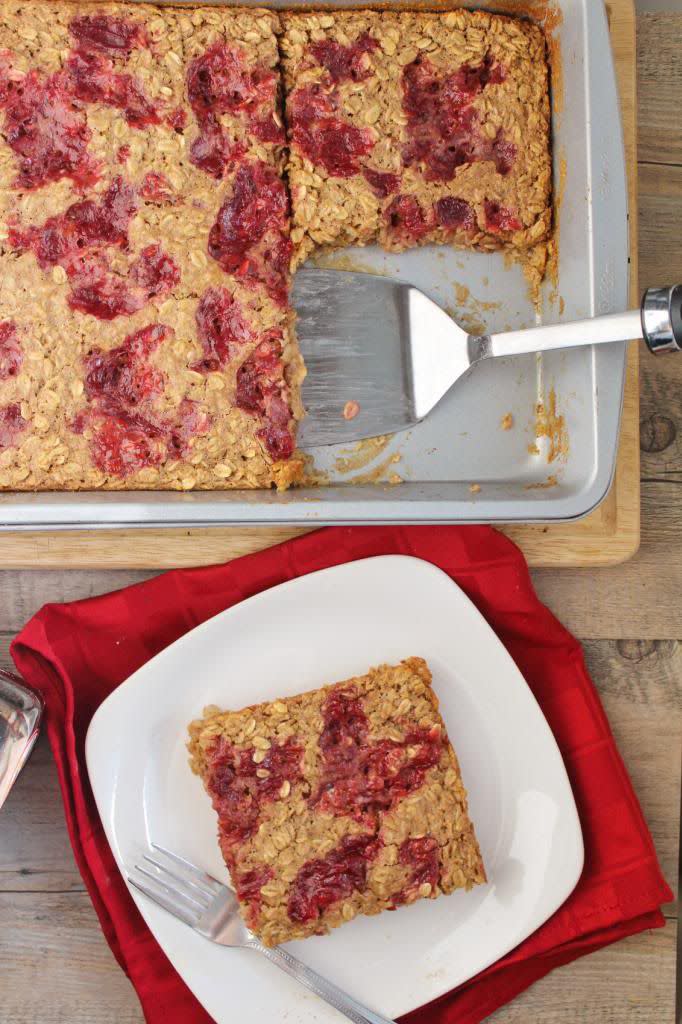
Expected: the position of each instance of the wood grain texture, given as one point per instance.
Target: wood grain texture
(660, 126)
(607, 536)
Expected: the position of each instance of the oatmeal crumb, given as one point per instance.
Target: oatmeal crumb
(350, 410)
(507, 421)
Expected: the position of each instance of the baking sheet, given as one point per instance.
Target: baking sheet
(460, 465)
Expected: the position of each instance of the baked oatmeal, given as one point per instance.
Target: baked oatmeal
(342, 801)
(145, 332)
(409, 128)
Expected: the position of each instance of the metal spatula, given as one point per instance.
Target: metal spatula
(386, 354)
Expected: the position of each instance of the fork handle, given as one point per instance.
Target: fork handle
(342, 1002)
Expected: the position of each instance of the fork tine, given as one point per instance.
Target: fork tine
(184, 882)
(164, 901)
(175, 891)
(214, 885)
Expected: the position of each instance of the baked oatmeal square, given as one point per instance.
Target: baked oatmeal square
(145, 331)
(409, 128)
(341, 801)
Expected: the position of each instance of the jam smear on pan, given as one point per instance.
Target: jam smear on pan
(326, 880)
(11, 352)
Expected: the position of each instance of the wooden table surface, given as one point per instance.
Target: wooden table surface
(54, 964)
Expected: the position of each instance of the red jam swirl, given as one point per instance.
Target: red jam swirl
(326, 880)
(77, 240)
(361, 777)
(222, 329)
(262, 390)
(443, 127)
(127, 433)
(239, 793)
(221, 82)
(12, 424)
(250, 236)
(11, 352)
(322, 135)
(422, 857)
(346, 63)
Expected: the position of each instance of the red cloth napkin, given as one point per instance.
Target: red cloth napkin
(76, 654)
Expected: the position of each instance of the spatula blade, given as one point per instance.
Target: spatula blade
(354, 337)
(374, 345)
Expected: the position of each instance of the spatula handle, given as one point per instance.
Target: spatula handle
(659, 322)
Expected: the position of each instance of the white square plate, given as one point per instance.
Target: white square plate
(323, 628)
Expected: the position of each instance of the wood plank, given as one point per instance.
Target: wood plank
(660, 211)
(632, 981)
(57, 967)
(608, 536)
(640, 683)
(659, 69)
(638, 598)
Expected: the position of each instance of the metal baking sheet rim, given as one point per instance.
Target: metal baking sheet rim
(609, 258)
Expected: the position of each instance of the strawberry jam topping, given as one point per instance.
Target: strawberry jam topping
(222, 329)
(45, 128)
(221, 82)
(422, 856)
(155, 272)
(326, 880)
(360, 776)
(452, 213)
(62, 239)
(121, 385)
(324, 137)
(156, 188)
(213, 152)
(443, 124)
(346, 63)
(262, 390)
(11, 353)
(407, 219)
(499, 218)
(123, 154)
(382, 183)
(107, 32)
(77, 240)
(249, 238)
(94, 80)
(248, 887)
(239, 792)
(12, 423)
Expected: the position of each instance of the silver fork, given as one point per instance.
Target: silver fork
(212, 910)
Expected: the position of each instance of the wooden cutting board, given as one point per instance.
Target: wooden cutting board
(607, 536)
